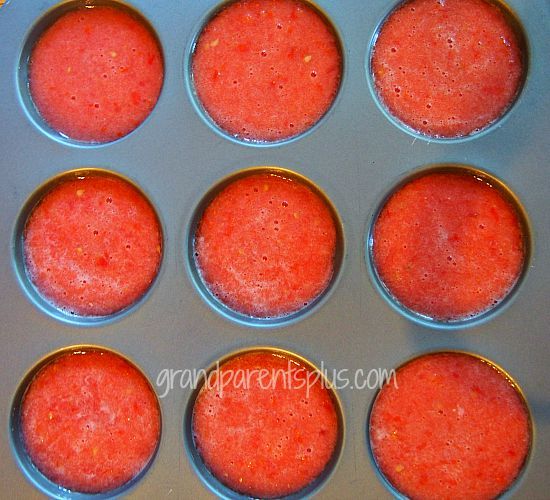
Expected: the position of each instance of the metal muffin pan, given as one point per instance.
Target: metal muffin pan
(356, 156)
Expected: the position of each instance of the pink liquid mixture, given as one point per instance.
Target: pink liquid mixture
(447, 68)
(454, 427)
(266, 70)
(95, 74)
(92, 245)
(448, 245)
(90, 421)
(270, 437)
(265, 245)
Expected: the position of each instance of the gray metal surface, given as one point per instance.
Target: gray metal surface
(355, 156)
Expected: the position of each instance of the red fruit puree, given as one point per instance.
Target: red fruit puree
(92, 245)
(95, 74)
(447, 68)
(448, 245)
(454, 427)
(258, 427)
(265, 245)
(90, 421)
(266, 70)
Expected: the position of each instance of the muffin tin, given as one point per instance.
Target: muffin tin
(356, 156)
